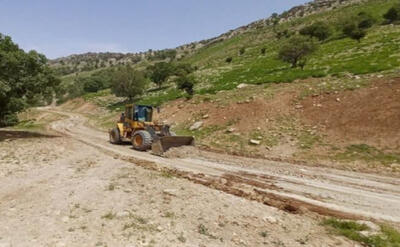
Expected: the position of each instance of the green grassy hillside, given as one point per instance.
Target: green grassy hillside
(337, 56)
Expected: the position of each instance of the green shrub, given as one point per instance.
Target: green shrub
(186, 83)
(393, 14)
(365, 20)
(242, 51)
(263, 50)
(352, 30)
(319, 30)
(229, 59)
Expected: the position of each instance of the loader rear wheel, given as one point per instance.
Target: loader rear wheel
(142, 140)
(115, 137)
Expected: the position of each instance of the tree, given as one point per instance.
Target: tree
(296, 50)
(160, 72)
(263, 50)
(186, 83)
(25, 80)
(128, 82)
(182, 69)
(319, 30)
(228, 59)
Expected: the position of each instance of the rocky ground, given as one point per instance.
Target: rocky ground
(57, 191)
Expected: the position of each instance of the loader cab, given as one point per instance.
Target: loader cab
(139, 113)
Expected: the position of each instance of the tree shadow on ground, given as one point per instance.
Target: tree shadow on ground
(17, 134)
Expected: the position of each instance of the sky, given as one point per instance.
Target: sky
(59, 28)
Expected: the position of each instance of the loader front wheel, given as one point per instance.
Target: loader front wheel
(115, 137)
(142, 140)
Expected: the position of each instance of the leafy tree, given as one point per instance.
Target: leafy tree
(160, 72)
(182, 69)
(186, 83)
(25, 80)
(319, 30)
(296, 50)
(393, 14)
(128, 82)
(228, 59)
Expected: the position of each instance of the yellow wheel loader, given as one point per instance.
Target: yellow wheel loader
(136, 125)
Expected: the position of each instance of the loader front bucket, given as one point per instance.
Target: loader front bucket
(160, 146)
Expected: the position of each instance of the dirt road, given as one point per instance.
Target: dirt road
(287, 186)
(77, 190)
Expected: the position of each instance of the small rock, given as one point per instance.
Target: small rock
(255, 142)
(259, 137)
(298, 106)
(196, 125)
(170, 192)
(379, 76)
(247, 101)
(205, 116)
(242, 85)
(318, 105)
(122, 214)
(357, 77)
(160, 229)
(338, 99)
(230, 130)
(65, 219)
(271, 219)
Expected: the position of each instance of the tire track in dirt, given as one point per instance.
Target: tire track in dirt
(292, 188)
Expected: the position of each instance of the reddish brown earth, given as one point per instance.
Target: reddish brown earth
(368, 115)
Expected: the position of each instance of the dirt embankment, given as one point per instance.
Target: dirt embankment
(369, 115)
(316, 128)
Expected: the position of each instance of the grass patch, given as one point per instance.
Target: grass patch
(368, 153)
(202, 229)
(109, 216)
(388, 237)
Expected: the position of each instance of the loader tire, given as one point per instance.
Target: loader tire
(115, 137)
(142, 140)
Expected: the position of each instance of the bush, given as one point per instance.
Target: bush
(352, 30)
(296, 50)
(365, 20)
(319, 30)
(263, 51)
(128, 83)
(393, 14)
(242, 51)
(229, 59)
(186, 83)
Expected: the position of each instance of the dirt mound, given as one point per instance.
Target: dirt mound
(368, 115)
(182, 152)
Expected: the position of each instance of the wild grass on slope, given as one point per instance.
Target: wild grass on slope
(388, 237)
